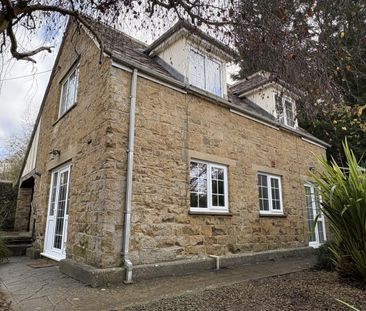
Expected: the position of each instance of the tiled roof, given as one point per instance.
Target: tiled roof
(120, 45)
(250, 83)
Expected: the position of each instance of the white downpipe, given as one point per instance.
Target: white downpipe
(217, 259)
(131, 141)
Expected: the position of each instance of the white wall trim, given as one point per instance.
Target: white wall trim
(147, 77)
(253, 119)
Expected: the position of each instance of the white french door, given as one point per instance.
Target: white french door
(312, 198)
(57, 218)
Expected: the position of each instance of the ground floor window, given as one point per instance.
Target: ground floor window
(270, 194)
(208, 187)
(316, 235)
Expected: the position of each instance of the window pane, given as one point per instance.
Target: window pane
(72, 88)
(310, 214)
(194, 184)
(198, 184)
(202, 200)
(289, 114)
(220, 187)
(194, 199)
(213, 77)
(61, 209)
(197, 69)
(263, 204)
(263, 192)
(276, 205)
(320, 231)
(214, 187)
(64, 97)
(194, 169)
(221, 200)
(202, 185)
(279, 108)
(275, 192)
(53, 194)
(317, 201)
(214, 200)
(202, 170)
(68, 92)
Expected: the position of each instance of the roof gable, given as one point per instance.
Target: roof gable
(185, 29)
(259, 80)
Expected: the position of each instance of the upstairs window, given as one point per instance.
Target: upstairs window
(286, 111)
(69, 91)
(270, 196)
(205, 72)
(208, 187)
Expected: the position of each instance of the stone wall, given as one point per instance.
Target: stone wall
(81, 136)
(22, 215)
(171, 128)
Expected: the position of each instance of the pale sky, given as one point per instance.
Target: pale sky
(22, 84)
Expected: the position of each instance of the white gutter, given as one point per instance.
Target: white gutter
(128, 208)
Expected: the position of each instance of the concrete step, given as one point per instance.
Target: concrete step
(18, 249)
(17, 242)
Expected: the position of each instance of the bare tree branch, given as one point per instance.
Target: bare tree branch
(24, 55)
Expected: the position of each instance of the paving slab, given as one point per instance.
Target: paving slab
(48, 289)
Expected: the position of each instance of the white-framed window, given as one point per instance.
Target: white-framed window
(286, 109)
(317, 232)
(205, 72)
(270, 194)
(69, 87)
(208, 187)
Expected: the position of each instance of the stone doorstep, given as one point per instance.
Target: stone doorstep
(97, 277)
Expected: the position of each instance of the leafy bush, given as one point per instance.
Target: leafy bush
(4, 251)
(325, 257)
(343, 192)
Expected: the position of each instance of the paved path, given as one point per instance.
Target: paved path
(48, 289)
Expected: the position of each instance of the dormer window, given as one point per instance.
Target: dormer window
(285, 110)
(205, 72)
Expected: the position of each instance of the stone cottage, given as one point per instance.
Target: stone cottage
(144, 156)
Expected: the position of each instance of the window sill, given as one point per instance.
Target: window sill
(272, 215)
(65, 113)
(210, 213)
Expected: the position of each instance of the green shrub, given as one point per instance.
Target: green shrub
(4, 251)
(343, 192)
(325, 257)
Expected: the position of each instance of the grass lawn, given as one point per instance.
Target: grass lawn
(307, 290)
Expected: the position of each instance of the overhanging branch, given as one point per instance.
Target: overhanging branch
(23, 55)
(12, 12)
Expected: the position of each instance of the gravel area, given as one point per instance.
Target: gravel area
(4, 304)
(307, 290)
